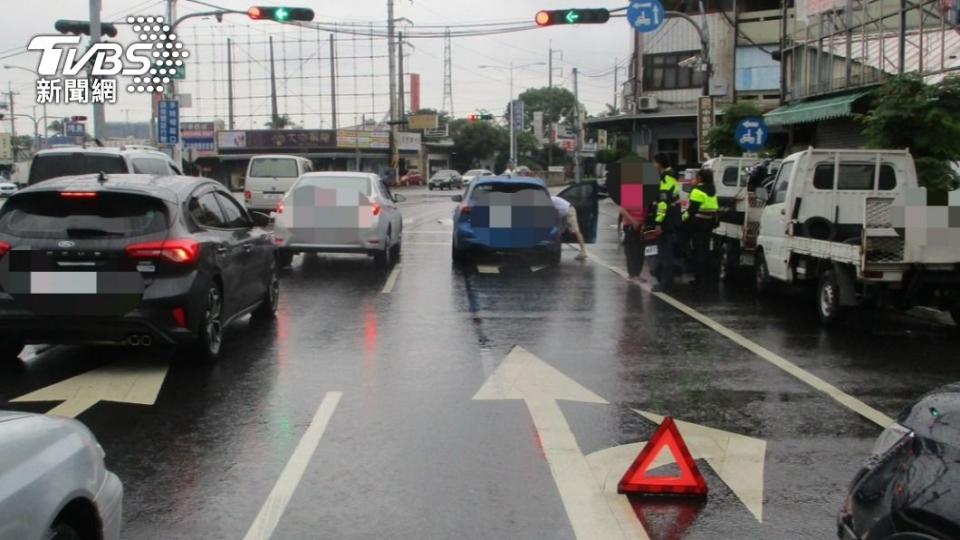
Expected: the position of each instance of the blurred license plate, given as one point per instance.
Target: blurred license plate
(63, 282)
(273, 196)
(650, 250)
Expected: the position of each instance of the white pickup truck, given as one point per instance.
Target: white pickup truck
(855, 223)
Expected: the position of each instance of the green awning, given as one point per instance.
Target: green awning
(813, 111)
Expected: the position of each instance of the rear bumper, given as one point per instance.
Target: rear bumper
(365, 249)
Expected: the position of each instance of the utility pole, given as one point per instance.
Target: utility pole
(392, 61)
(230, 84)
(333, 83)
(99, 118)
(550, 65)
(170, 91)
(13, 123)
(274, 114)
(513, 134)
(616, 70)
(402, 98)
(579, 139)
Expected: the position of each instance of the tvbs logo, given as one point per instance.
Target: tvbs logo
(152, 62)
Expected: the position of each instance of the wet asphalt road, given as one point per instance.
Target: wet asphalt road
(408, 453)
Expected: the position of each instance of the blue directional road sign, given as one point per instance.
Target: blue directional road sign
(168, 122)
(752, 134)
(518, 115)
(76, 129)
(646, 15)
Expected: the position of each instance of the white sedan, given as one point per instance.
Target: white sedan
(7, 189)
(472, 174)
(53, 482)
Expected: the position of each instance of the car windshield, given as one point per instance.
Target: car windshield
(337, 182)
(47, 166)
(51, 215)
(444, 174)
(274, 168)
(475, 172)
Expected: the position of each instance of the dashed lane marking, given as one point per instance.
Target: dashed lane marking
(276, 503)
(796, 371)
(391, 280)
(488, 269)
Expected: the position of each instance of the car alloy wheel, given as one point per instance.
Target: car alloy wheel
(828, 299)
(210, 336)
(268, 307)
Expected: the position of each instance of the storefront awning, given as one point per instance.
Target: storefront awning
(813, 111)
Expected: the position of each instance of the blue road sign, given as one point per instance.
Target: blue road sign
(168, 122)
(76, 129)
(646, 15)
(518, 115)
(752, 134)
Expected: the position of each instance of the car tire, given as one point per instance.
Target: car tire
(10, 349)
(382, 259)
(210, 332)
(955, 315)
(430, 188)
(828, 299)
(621, 233)
(284, 258)
(761, 273)
(458, 256)
(397, 251)
(271, 299)
(62, 531)
(729, 259)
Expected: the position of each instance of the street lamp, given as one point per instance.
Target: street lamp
(7, 66)
(513, 135)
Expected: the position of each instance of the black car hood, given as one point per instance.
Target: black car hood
(936, 416)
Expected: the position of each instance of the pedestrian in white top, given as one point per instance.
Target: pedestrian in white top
(568, 216)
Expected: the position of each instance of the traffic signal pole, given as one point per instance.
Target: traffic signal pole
(99, 116)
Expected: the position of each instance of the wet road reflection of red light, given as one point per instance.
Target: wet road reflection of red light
(370, 331)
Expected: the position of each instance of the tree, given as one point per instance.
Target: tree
(721, 139)
(56, 127)
(475, 142)
(553, 102)
(282, 122)
(908, 113)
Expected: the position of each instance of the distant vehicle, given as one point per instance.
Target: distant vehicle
(515, 215)
(445, 179)
(340, 212)
(269, 177)
(56, 486)
(830, 220)
(909, 487)
(131, 259)
(473, 174)
(7, 189)
(412, 178)
(76, 160)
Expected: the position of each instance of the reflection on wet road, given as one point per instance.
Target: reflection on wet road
(500, 400)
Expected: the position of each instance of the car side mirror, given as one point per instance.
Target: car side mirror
(457, 198)
(260, 219)
(398, 198)
(762, 194)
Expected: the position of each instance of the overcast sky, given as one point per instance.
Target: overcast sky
(591, 48)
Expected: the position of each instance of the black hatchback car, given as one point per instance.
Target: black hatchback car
(139, 260)
(909, 489)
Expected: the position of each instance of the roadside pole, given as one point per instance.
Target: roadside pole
(99, 118)
(578, 175)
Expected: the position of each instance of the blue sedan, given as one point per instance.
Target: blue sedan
(499, 214)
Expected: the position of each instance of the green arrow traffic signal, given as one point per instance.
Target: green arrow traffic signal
(280, 14)
(549, 17)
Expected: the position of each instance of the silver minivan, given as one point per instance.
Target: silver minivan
(269, 177)
(339, 212)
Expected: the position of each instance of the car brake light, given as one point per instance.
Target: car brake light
(279, 208)
(176, 251)
(375, 208)
(4, 248)
(247, 195)
(78, 194)
(180, 317)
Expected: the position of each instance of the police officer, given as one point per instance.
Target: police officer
(701, 218)
(668, 220)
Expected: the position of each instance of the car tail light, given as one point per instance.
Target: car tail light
(176, 251)
(78, 194)
(375, 208)
(4, 248)
(180, 316)
(465, 208)
(279, 208)
(247, 195)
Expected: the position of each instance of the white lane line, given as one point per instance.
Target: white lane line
(409, 243)
(276, 503)
(488, 269)
(391, 280)
(803, 375)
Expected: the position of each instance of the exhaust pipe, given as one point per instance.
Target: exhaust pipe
(133, 340)
(146, 340)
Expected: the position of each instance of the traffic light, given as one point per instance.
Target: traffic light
(78, 118)
(549, 17)
(280, 14)
(473, 118)
(66, 26)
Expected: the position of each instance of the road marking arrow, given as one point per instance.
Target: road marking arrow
(522, 375)
(127, 382)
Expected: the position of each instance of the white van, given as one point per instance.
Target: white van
(269, 177)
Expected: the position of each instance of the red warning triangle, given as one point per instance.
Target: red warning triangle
(689, 482)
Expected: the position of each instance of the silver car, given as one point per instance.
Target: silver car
(339, 212)
(53, 483)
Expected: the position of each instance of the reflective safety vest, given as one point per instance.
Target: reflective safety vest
(669, 194)
(707, 205)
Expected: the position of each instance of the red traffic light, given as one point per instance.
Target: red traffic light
(542, 18)
(473, 118)
(280, 14)
(550, 17)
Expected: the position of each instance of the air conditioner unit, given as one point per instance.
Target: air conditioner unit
(647, 103)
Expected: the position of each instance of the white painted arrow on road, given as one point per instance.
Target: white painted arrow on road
(522, 375)
(125, 382)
